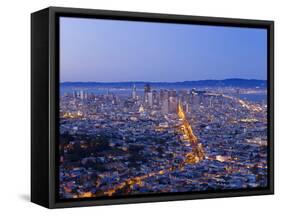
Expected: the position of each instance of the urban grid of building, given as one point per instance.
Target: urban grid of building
(146, 140)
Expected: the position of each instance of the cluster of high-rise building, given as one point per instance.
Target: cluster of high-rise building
(135, 141)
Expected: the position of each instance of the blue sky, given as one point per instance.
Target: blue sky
(115, 51)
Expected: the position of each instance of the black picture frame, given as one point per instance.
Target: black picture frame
(45, 104)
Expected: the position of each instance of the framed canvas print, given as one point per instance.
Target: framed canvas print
(139, 107)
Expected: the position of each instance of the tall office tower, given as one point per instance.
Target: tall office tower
(173, 104)
(172, 93)
(183, 95)
(81, 95)
(164, 95)
(161, 97)
(165, 106)
(150, 99)
(155, 97)
(147, 89)
(134, 92)
(173, 101)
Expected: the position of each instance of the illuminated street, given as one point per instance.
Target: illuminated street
(117, 141)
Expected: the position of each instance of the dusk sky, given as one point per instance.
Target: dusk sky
(116, 51)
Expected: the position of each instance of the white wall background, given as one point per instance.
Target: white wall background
(15, 106)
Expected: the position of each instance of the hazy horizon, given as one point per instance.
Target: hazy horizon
(162, 81)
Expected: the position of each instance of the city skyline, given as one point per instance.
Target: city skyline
(95, 50)
(161, 108)
(143, 82)
(161, 140)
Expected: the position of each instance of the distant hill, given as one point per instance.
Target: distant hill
(229, 82)
(246, 83)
